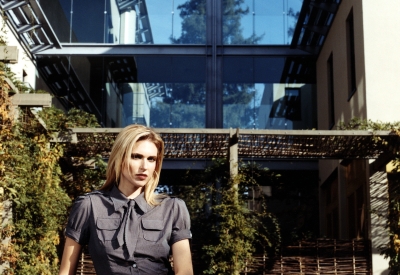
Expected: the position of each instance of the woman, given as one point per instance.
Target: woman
(128, 228)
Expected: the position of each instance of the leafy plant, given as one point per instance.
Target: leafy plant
(229, 233)
(36, 186)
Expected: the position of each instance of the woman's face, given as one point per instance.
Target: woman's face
(140, 167)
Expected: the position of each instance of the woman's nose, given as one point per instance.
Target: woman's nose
(144, 164)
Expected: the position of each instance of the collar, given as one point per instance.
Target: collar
(120, 200)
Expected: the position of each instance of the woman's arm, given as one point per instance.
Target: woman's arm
(182, 258)
(70, 257)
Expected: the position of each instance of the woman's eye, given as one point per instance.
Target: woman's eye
(151, 159)
(136, 156)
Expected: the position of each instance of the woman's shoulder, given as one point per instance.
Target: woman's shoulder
(85, 198)
(173, 201)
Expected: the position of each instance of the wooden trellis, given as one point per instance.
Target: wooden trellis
(322, 256)
(272, 144)
(319, 257)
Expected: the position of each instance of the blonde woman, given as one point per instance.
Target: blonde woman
(127, 227)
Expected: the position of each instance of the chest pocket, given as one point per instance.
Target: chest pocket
(107, 228)
(152, 229)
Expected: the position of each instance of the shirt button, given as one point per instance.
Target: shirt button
(134, 265)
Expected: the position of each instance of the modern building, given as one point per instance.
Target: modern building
(279, 65)
(356, 77)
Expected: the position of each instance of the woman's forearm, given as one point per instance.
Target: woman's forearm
(182, 258)
(70, 257)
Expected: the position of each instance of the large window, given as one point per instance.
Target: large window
(351, 58)
(182, 63)
(260, 21)
(331, 189)
(256, 97)
(331, 94)
(128, 21)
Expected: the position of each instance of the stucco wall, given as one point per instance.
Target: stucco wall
(24, 63)
(382, 59)
(377, 65)
(336, 45)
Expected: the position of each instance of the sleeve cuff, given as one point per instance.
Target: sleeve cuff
(180, 235)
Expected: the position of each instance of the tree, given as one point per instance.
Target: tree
(227, 233)
(33, 183)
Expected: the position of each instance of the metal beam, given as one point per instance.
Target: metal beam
(123, 50)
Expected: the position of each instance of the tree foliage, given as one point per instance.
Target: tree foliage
(227, 232)
(33, 182)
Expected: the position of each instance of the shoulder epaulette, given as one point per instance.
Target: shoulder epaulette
(95, 192)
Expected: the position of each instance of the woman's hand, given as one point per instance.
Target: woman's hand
(70, 257)
(182, 258)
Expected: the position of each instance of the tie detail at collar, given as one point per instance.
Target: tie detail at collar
(128, 233)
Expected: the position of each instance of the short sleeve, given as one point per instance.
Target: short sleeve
(181, 223)
(78, 221)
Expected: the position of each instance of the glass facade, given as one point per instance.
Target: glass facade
(181, 63)
(260, 21)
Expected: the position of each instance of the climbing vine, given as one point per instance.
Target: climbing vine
(392, 249)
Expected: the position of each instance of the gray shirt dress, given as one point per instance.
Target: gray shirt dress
(127, 236)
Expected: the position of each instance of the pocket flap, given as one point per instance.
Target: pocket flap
(107, 223)
(153, 224)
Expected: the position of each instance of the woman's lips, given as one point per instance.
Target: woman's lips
(141, 176)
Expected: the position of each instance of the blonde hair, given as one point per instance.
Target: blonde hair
(121, 152)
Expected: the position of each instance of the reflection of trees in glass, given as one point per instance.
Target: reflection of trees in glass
(183, 106)
(231, 26)
(294, 15)
(238, 110)
(170, 109)
(193, 14)
(178, 115)
(188, 93)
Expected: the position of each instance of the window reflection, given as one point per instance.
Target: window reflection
(268, 93)
(161, 105)
(158, 91)
(121, 90)
(128, 21)
(269, 106)
(260, 21)
(182, 106)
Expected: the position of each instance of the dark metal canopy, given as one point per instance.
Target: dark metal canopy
(271, 144)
